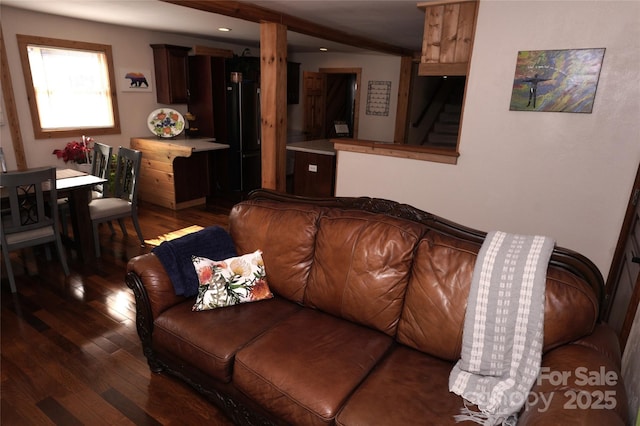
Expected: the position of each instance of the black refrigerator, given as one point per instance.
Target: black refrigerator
(243, 133)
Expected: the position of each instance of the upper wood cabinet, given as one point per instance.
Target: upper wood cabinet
(171, 66)
(449, 29)
(207, 100)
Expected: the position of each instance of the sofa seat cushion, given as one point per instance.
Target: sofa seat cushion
(303, 369)
(407, 388)
(210, 339)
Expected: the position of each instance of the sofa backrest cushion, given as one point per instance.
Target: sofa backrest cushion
(571, 309)
(361, 267)
(433, 316)
(436, 298)
(286, 235)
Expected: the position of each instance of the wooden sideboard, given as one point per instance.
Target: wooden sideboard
(175, 173)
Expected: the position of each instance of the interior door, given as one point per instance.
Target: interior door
(625, 293)
(313, 92)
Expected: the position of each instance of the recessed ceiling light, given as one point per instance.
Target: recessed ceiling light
(324, 49)
(224, 29)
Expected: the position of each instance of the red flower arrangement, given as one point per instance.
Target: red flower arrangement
(76, 152)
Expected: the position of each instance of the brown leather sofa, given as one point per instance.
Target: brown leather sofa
(366, 322)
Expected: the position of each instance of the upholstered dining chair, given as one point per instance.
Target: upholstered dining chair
(100, 166)
(124, 201)
(33, 217)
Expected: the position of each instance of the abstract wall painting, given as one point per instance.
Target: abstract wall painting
(556, 80)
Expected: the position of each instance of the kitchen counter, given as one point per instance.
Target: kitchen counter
(175, 172)
(195, 144)
(319, 146)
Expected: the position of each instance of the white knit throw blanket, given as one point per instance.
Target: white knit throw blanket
(503, 328)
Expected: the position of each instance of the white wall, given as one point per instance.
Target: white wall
(130, 48)
(565, 175)
(376, 67)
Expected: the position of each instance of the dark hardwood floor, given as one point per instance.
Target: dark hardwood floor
(70, 354)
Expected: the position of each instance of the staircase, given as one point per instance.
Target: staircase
(444, 132)
(444, 114)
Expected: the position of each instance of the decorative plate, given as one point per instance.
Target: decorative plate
(165, 123)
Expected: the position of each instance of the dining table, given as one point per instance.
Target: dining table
(76, 186)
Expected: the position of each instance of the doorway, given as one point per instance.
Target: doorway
(332, 95)
(340, 106)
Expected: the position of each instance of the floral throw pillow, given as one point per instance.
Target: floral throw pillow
(231, 281)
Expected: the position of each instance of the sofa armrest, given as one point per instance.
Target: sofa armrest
(605, 341)
(155, 282)
(580, 383)
(153, 291)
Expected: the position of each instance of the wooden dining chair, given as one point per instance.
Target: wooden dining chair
(33, 216)
(100, 166)
(124, 201)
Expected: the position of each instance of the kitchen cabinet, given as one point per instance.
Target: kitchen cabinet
(314, 168)
(172, 73)
(175, 173)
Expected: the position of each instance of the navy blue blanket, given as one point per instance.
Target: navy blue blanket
(212, 242)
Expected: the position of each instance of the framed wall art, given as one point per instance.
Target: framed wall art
(132, 79)
(556, 80)
(378, 97)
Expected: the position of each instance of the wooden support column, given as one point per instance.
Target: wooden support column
(10, 106)
(404, 88)
(273, 104)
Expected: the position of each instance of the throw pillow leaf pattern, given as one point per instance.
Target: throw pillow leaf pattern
(231, 281)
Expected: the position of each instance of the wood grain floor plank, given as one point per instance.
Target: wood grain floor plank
(131, 378)
(132, 411)
(57, 413)
(27, 374)
(69, 349)
(92, 409)
(22, 415)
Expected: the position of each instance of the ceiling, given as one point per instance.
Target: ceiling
(395, 22)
